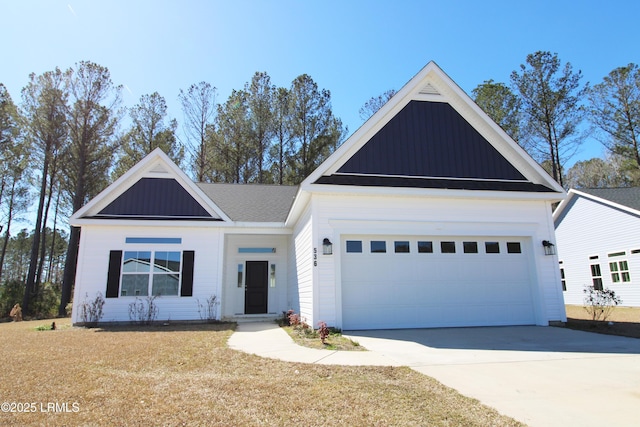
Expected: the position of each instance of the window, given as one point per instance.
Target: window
(150, 273)
(401, 247)
(492, 247)
(448, 247)
(240, 275)
(470, 247)
(378, 247)
(596, 277)
(256, 250)
(514, 248)
(619, 271)
(272, 276)
(635, 251)
(562, 279)
(425, 247)
(615, 254)
(354, 246)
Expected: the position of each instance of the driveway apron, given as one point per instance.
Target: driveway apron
(542, 376)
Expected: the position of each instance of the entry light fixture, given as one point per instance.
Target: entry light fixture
(549, 248)
(327, 247)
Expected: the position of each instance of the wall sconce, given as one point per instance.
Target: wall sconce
(327, 247)
(549, 248)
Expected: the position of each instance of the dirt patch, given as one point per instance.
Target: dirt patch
(624, 321)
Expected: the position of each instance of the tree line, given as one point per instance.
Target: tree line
(70, 136)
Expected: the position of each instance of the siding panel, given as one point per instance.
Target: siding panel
(590, 229)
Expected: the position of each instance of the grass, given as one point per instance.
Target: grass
(625, 321)
(186, 375)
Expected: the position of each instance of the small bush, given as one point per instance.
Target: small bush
(91, 312)
(295, 320)
(208, 311)
(599, 303)
(144, 311)
(323, 331)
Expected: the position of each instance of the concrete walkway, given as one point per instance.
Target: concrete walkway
(266, 339)
(542, 376)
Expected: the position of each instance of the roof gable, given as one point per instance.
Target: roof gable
(430, 139)
(432, 135)
(154, 189)
(155, 198)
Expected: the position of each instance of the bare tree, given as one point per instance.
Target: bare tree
(615, 109)
(149, 131)
(375, 103)
(550, 96)
(260, 94)
(199, 109)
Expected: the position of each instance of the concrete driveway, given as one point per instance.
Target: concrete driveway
(542, 376)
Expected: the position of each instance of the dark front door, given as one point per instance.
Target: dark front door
(256, 287)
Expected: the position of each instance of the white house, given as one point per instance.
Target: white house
(598, 236)
(429, 215)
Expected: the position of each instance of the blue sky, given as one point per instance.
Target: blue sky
(355, 49)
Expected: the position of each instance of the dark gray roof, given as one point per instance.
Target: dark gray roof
(252, 202)
(628, 196)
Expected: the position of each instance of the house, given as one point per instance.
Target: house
(429, 215)
(598, 239)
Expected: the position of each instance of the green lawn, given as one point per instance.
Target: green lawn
(186, 375)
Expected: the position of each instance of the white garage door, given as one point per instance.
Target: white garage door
(412, 282)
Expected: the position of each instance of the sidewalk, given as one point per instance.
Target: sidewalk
(267, 339)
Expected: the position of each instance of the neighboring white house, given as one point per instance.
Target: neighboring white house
(598, 236)
(429, 215)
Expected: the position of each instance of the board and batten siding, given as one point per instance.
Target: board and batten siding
(303, 266)
(591, 229)
(96, 242)
(338, 215)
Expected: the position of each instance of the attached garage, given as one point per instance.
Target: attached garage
(414, 282)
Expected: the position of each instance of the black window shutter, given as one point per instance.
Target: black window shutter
(113, 277)
(186, 288)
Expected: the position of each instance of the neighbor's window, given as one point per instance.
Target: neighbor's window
(619, 271)
(425, 247)
(354, 246)
(448, 247)
(492, 247)
(401, 247)
(596, 277)
(150, 273)
(378, 247)
(514, 248)
(470, 247)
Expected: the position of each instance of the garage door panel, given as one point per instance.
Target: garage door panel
(404, 290)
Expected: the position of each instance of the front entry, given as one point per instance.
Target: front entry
(256, 287)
